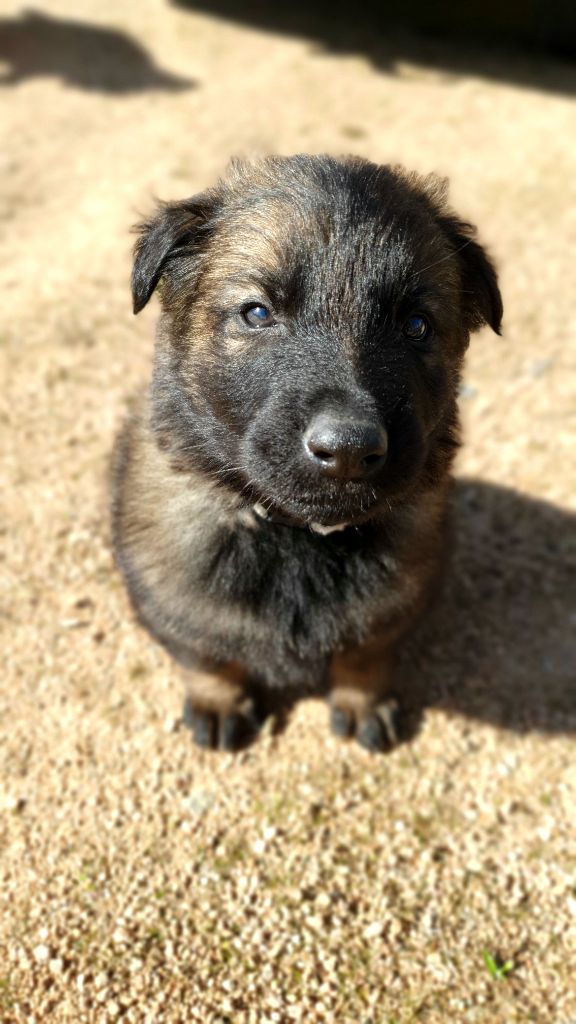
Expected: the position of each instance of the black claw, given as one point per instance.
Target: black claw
(341, 722)
(371, 735)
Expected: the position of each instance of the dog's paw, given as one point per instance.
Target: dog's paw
(375, 728)
(215, 730)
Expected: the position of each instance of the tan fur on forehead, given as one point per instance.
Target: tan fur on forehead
(257, 236)
(254, 237)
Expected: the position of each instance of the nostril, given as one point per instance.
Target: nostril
(372, 459)
(321, 453)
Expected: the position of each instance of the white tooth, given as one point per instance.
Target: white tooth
(324, 530)
(260, 510)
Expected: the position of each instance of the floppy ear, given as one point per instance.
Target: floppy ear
(176, 230)
(481, 297)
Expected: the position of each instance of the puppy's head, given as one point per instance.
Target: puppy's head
(315, 315)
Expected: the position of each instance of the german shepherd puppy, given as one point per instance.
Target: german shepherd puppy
(280, 496)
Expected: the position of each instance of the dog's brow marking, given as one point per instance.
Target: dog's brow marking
(442, 259)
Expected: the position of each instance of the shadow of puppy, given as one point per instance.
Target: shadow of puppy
(500, 643)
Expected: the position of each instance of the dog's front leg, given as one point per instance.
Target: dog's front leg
(361, 704)
(220, 706)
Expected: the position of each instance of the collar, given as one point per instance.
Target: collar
(277, 518)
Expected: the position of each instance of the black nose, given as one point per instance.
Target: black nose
(347, 449)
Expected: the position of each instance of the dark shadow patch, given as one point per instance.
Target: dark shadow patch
(532, 45)
(500, 645)
(89, 57)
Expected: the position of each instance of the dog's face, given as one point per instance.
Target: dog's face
(315, 315)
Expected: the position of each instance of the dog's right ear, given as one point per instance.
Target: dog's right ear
(176, 230)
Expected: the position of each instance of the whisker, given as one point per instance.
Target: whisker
(442, 259)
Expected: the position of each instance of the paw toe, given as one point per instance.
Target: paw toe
(371, 735)
(341, 722)
(204, 725)
(375, 728)
(379, 731)
(237, 730)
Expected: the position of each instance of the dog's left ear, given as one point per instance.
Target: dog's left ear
(481, 299)
(177, 230)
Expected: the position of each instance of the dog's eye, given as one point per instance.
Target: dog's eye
(256, 315)
(416, 327)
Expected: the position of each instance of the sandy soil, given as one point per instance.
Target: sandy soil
(304, 880)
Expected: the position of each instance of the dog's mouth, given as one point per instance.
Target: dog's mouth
(277, 517)
(319, 517)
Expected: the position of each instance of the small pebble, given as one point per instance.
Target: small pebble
(41, 953)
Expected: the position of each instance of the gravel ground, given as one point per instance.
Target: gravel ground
(304, 880)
